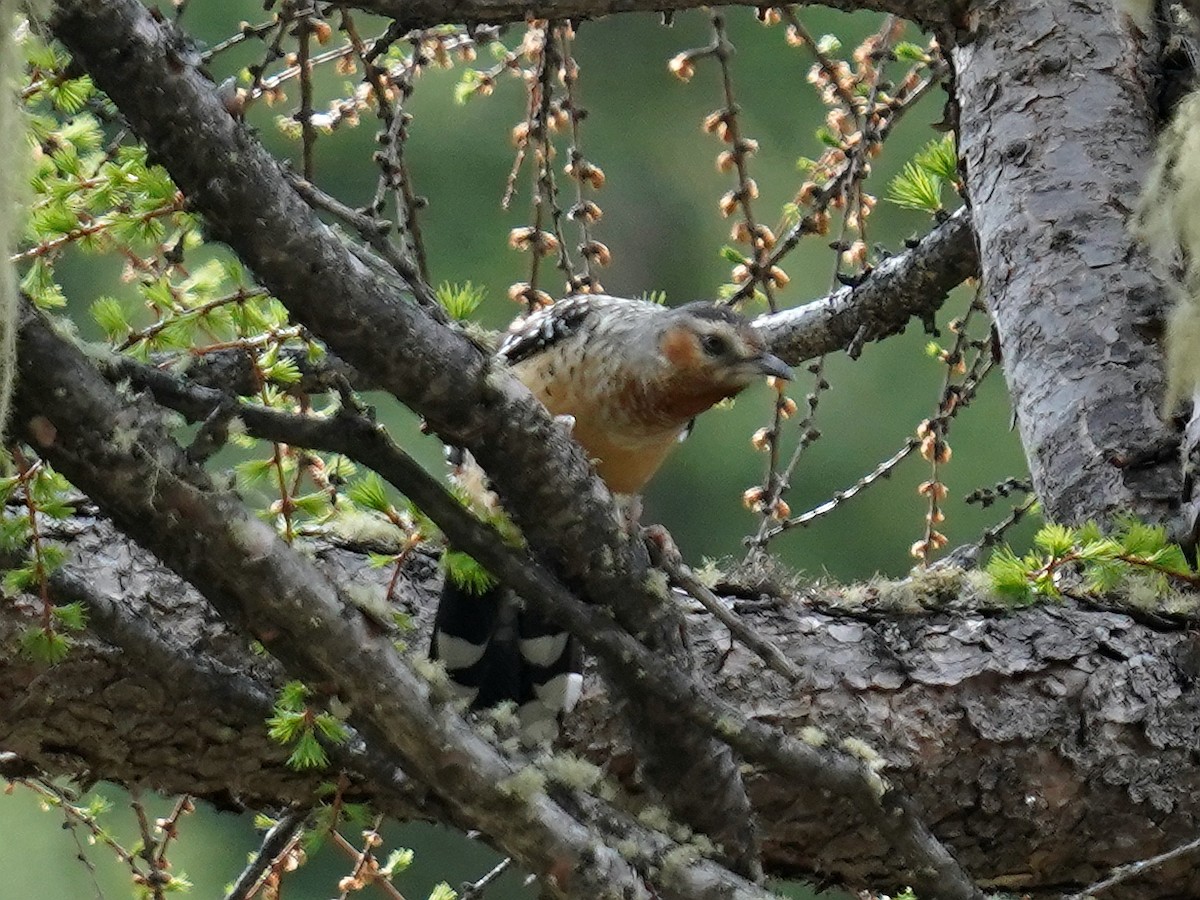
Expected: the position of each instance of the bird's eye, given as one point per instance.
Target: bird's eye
(714, 345)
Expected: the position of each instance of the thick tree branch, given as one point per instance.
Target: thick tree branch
(976, 712)
(910, 285)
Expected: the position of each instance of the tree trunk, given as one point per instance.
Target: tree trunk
(1056, 129)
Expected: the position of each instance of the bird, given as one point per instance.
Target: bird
(628, 378)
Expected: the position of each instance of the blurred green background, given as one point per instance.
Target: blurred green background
(661, 223)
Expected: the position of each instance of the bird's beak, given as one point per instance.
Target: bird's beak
(770, 364)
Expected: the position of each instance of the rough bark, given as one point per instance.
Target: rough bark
(1056, 119)
(1046, 744)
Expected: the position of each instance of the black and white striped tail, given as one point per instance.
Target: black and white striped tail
(495, 650)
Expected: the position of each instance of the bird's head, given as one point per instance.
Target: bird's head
(717, 349)
(711, 353)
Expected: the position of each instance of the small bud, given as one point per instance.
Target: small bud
(682, 67)
(597, 252)
(587, 210)
(560, 119)
(752, 499)
(713, 121)
(778, 276)
(794, 39)
(855, 254)
(741, 273)
(935, 517)
(322, 30)
(521, 238)
(350, 883)
(751, 188)
(747, 146)
(725, 161)
(787, 408)
(467, 53)
(728, 203)
(938, 540)
(919, 550)
(933, 489)
(925, 428)
(769, 16)
(585, 171)
(546, 243)
(345, 65)
(740, 232)
(520, 134)
(765, 238)
(518, 291)
(807, 192)
(935, 450)
(776, 384)
(761, 439)
(839, 121)
(928, 446)
(780, 510)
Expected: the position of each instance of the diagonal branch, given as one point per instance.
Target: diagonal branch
(910, 285)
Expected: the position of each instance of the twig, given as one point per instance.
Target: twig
(374, 232)
(153, 877)
(992, 536)
(304, 63)
(361, 859)
(764, 649)
(470, 890)
(1131, 870)
(277, 840)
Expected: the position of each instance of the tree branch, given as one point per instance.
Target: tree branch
(120, 456)
(410, 15)
(910, 285)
